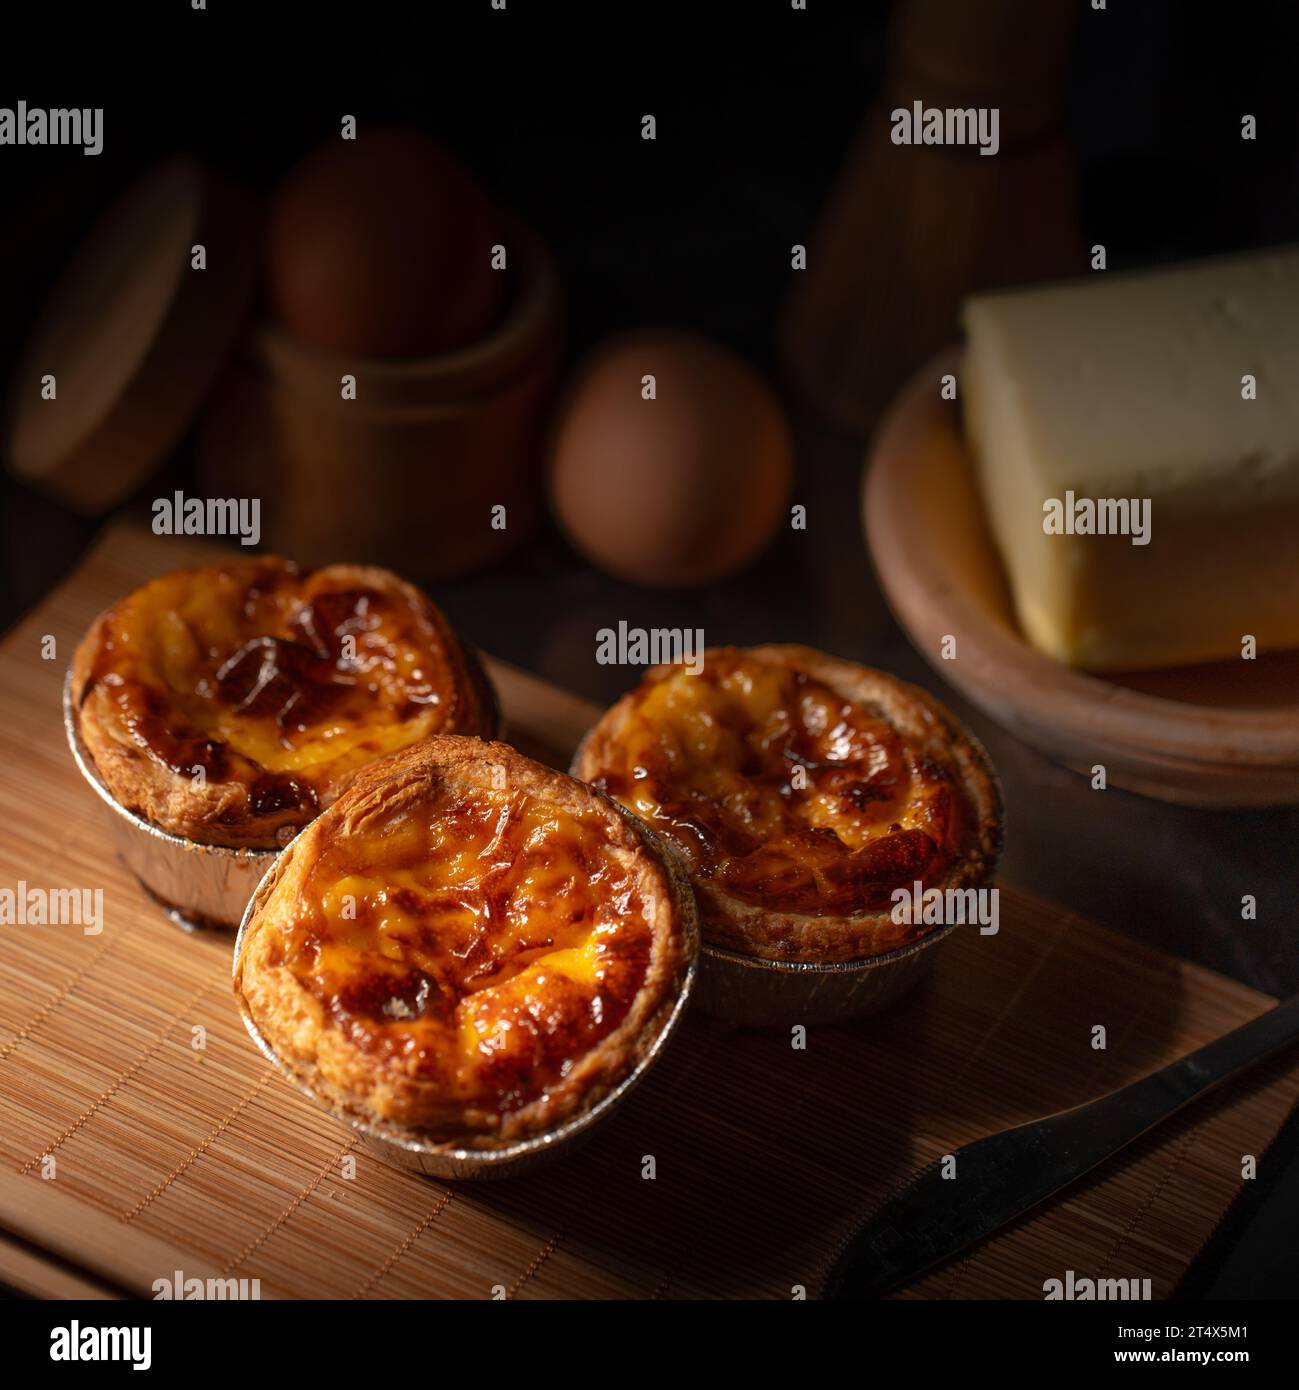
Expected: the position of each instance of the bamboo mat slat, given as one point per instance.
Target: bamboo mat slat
(169, 1158)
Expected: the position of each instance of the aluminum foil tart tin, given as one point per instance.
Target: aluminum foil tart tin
(196, 885)
(757, 993)
(439, 1159)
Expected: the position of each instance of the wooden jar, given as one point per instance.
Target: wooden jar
(408, 473)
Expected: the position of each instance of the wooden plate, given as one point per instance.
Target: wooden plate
(1219, 734)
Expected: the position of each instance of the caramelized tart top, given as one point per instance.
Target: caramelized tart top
(478, 945)
(230, 704)
(802, 792)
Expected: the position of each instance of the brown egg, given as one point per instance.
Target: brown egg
(382, 246)
(681, 489)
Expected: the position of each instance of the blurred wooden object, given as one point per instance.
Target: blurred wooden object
(910, 230)
(406, 475)
(133, 336)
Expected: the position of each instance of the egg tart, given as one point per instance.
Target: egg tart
(801, 792)
(467, 946)
(230, 704)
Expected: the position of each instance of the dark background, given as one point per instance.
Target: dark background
(756, 106)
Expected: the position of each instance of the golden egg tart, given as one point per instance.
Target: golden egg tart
(801, 792)
(230, 704)
(467, 946)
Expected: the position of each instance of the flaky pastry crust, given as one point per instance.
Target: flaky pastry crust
(516, 943)
(229, 704)
(791, 866)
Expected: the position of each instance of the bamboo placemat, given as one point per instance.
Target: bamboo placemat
(167, 1157)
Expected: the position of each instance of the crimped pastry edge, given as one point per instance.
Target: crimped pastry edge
(747, 929)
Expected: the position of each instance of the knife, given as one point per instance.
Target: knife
(999, 1178)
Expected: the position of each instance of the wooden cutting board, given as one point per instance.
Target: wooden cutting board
(167, 1157)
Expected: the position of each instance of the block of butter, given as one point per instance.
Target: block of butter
(1136, 440)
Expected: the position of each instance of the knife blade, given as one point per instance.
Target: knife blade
(998, 1178)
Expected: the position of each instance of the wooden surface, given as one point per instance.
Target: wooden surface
(1217, 734)
(170, 1158)
(886, 275)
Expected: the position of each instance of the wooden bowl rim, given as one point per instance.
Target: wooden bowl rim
(1083, 705)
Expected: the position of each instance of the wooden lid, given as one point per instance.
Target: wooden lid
(132, 335)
